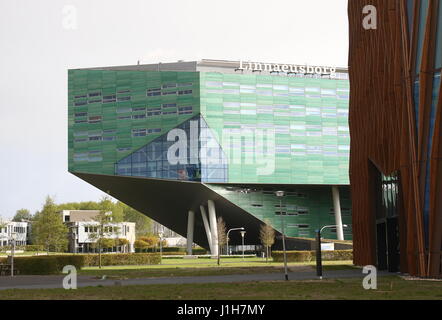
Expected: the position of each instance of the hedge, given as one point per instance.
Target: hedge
(174, 250)
(45, 264)
(306, 256)
(38, 265)
(91, 260)
(28, 247)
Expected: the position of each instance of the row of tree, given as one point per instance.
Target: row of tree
(49, 230)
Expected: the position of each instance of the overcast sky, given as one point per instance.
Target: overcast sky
(40, 41)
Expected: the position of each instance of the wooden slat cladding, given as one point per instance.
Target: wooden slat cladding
(384, 136)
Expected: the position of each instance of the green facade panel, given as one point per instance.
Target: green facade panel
(304, 208)
(305, 119)
(113, 113)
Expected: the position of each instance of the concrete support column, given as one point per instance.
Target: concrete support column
(337, 209)
(207, 227)
(213, 227)
(190, 225)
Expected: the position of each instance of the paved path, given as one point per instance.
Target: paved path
(41, 282)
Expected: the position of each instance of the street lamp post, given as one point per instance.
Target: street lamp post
(13, 238)
(227, 240)
(280, 194)
(160, 235)
(318, 249)
(243, 233)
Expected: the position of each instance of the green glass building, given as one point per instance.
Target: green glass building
(187, 142)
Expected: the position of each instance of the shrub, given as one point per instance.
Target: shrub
(335, 255)
(34, 247)
(121, 241)
(173, 249)
(306, 256)
(151, 241)
(28, 247)
(140, 245)
(106, 242)
(199, 251)
(292, 256)
(121, 259)
(46, 264)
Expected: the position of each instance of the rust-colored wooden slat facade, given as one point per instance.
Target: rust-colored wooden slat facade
(390, 128)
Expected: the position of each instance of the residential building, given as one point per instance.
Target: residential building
(84, 231)
(21, 230)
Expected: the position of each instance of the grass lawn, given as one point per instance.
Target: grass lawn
(391, 287)
(206, 267)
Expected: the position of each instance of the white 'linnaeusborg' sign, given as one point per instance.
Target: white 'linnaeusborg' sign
(292, 68)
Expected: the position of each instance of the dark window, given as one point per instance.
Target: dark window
(185, 110)
(95, 138)
(94, 119)
(169, 105)
(124, 98)
(110, 98)
(181, 92)
(153, 131)
(169, 85)
(138, 132)
(153, 92)
(95, 101)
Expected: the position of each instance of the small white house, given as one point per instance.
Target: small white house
(21, 230)
(83, 230)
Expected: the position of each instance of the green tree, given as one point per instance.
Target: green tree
(22, 214)
(152, 241)
(140, 244)
(101, 228)
(107, 243)
(121, 242)
(143, 224)
(85, 205)
(49, 229)
(267, 237)
(222, 236)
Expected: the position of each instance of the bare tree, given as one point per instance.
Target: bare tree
(267, 237)
(222, 237)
